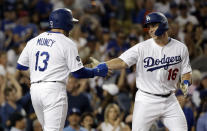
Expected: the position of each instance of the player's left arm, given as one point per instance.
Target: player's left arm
(186, 77)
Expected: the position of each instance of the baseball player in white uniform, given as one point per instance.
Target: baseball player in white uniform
(50, 57)
(160, 61)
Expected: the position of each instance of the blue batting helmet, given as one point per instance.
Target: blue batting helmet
(157, 17)
(62, 19)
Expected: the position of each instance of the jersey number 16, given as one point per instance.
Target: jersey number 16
(172, 74)
(38, 54)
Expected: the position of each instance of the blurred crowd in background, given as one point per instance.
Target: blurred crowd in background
(106, 28)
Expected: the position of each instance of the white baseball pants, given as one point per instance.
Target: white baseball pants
(49, 100)
(148, 108)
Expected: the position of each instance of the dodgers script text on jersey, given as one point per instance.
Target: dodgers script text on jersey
(164, 62)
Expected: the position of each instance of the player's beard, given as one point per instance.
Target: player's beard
(152, 34)
(67, 33)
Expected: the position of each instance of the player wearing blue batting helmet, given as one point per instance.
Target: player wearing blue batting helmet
(62, 19)
(157, 17)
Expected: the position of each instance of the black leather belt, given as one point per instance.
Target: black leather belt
(161, 95)
(44, 81)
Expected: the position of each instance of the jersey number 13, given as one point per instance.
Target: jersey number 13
(41, 54)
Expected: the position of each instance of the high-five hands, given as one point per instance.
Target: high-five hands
(97, 64)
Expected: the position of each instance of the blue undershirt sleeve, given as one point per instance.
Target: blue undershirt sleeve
(21, 67)
(83, 73)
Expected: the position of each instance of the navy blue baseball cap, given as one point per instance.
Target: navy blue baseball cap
(74, 111)
(91, 38)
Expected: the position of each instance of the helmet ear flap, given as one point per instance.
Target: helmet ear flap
(162, 28)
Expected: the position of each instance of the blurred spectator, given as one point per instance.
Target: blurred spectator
(76, 98)
(185, 16)
(2, 39)
(202, 13)
(3, 61)
(173, 30)
(123, 99)
(113, 120)
(162, 6)
(173, 10)
(87, 121)
(112, 89)
(18, 122)
(116, 46)
(1, 9)
(36, 125)
(138, 6)
(95, 8)
(74, 121)
(60, 3)
(196, 81)
(189, 40)
(110, 7)
(10, 106)
(202, 120)
(79, 35)
(24, 30)
(128, 119)
(200, 62)
(91, 45)
(198, 36)
(13, 100)
(105, 38)
(1, 127)
(8, 23)
(82, 4)
(68, 4)
(187, 31)
(2, 85)
(44, 7)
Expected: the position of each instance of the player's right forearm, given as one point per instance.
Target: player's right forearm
(116, 63)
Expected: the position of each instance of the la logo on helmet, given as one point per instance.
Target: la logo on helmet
(51, 24)
(147, 18)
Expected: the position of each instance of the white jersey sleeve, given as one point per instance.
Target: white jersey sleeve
(130, 56)
(24, 57)
(73, 60)
(185, 65)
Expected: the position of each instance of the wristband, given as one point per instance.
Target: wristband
(186, 82)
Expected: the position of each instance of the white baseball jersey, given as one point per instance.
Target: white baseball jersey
(50, 56)
(158, 68)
